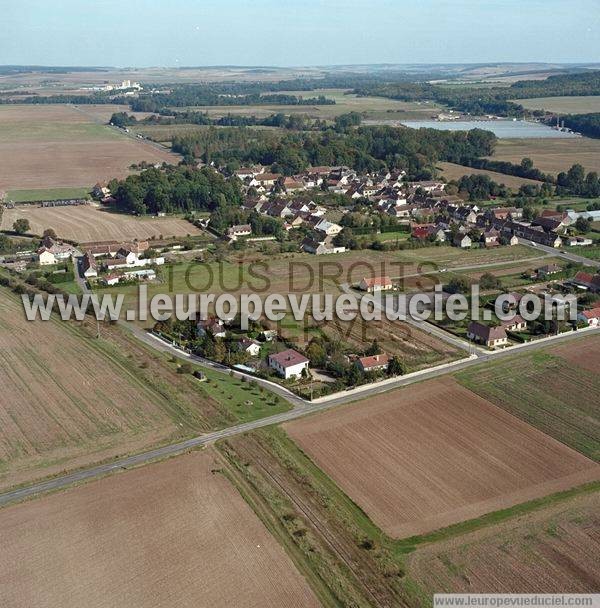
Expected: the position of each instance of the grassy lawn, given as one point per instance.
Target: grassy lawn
(592, 252)
(50, 194)
(393, 236)
(245, 401)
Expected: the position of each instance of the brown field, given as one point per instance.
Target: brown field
(169, 534)
(68, 399)
(553, 390)
(435, 454)
(563, 105)
(553, 550)
(451, 171)
(57, 146)
(584, 353)
(551, 155)
(90, 223)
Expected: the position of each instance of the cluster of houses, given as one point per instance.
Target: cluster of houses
(294, 214)
(494, 336)
(466, 224)
(289, 363)
(112, 262)
(433, 215)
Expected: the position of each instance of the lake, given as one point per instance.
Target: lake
(504, 129)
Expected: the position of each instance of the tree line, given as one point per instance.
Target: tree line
(366, 149)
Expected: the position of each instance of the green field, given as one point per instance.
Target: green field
(592, 252)
(245, 401)
(373, 108)
(398, 235)
(49, 194)
(546, 391)
(300, 272)
(585, 104)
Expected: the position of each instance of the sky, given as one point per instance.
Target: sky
(143, 33)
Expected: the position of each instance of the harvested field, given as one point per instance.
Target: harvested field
(585, 104)
(549, 390)
(435, 454)
(583, 354)
(87, 223)
(554, 550)
(57, 146)
(452, 171)
(169, 534)
(551, 155)
(69, 399)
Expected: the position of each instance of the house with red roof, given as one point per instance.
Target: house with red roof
(375, 284)
(288, 363)
(373, 363)
(590, 317)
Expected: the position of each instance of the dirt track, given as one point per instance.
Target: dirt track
(169, 535)
(435, 454)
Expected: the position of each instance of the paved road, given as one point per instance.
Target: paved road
(567, 255)
(301, 408)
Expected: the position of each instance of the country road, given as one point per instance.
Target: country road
(567, 255)
(301, 408)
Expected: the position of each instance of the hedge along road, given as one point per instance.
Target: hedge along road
(301, 408)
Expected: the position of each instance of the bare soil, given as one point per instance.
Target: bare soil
(68, 400)
(167, 535)
(554, 550)
(583, 353)
(435, 454)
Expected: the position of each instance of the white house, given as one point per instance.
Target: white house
(239, 230)
(46, 257)
(375, 284)
(328, 228)
(90, 268)
(288, 363)
(373, 363)
(247, 345)
(463, 241)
